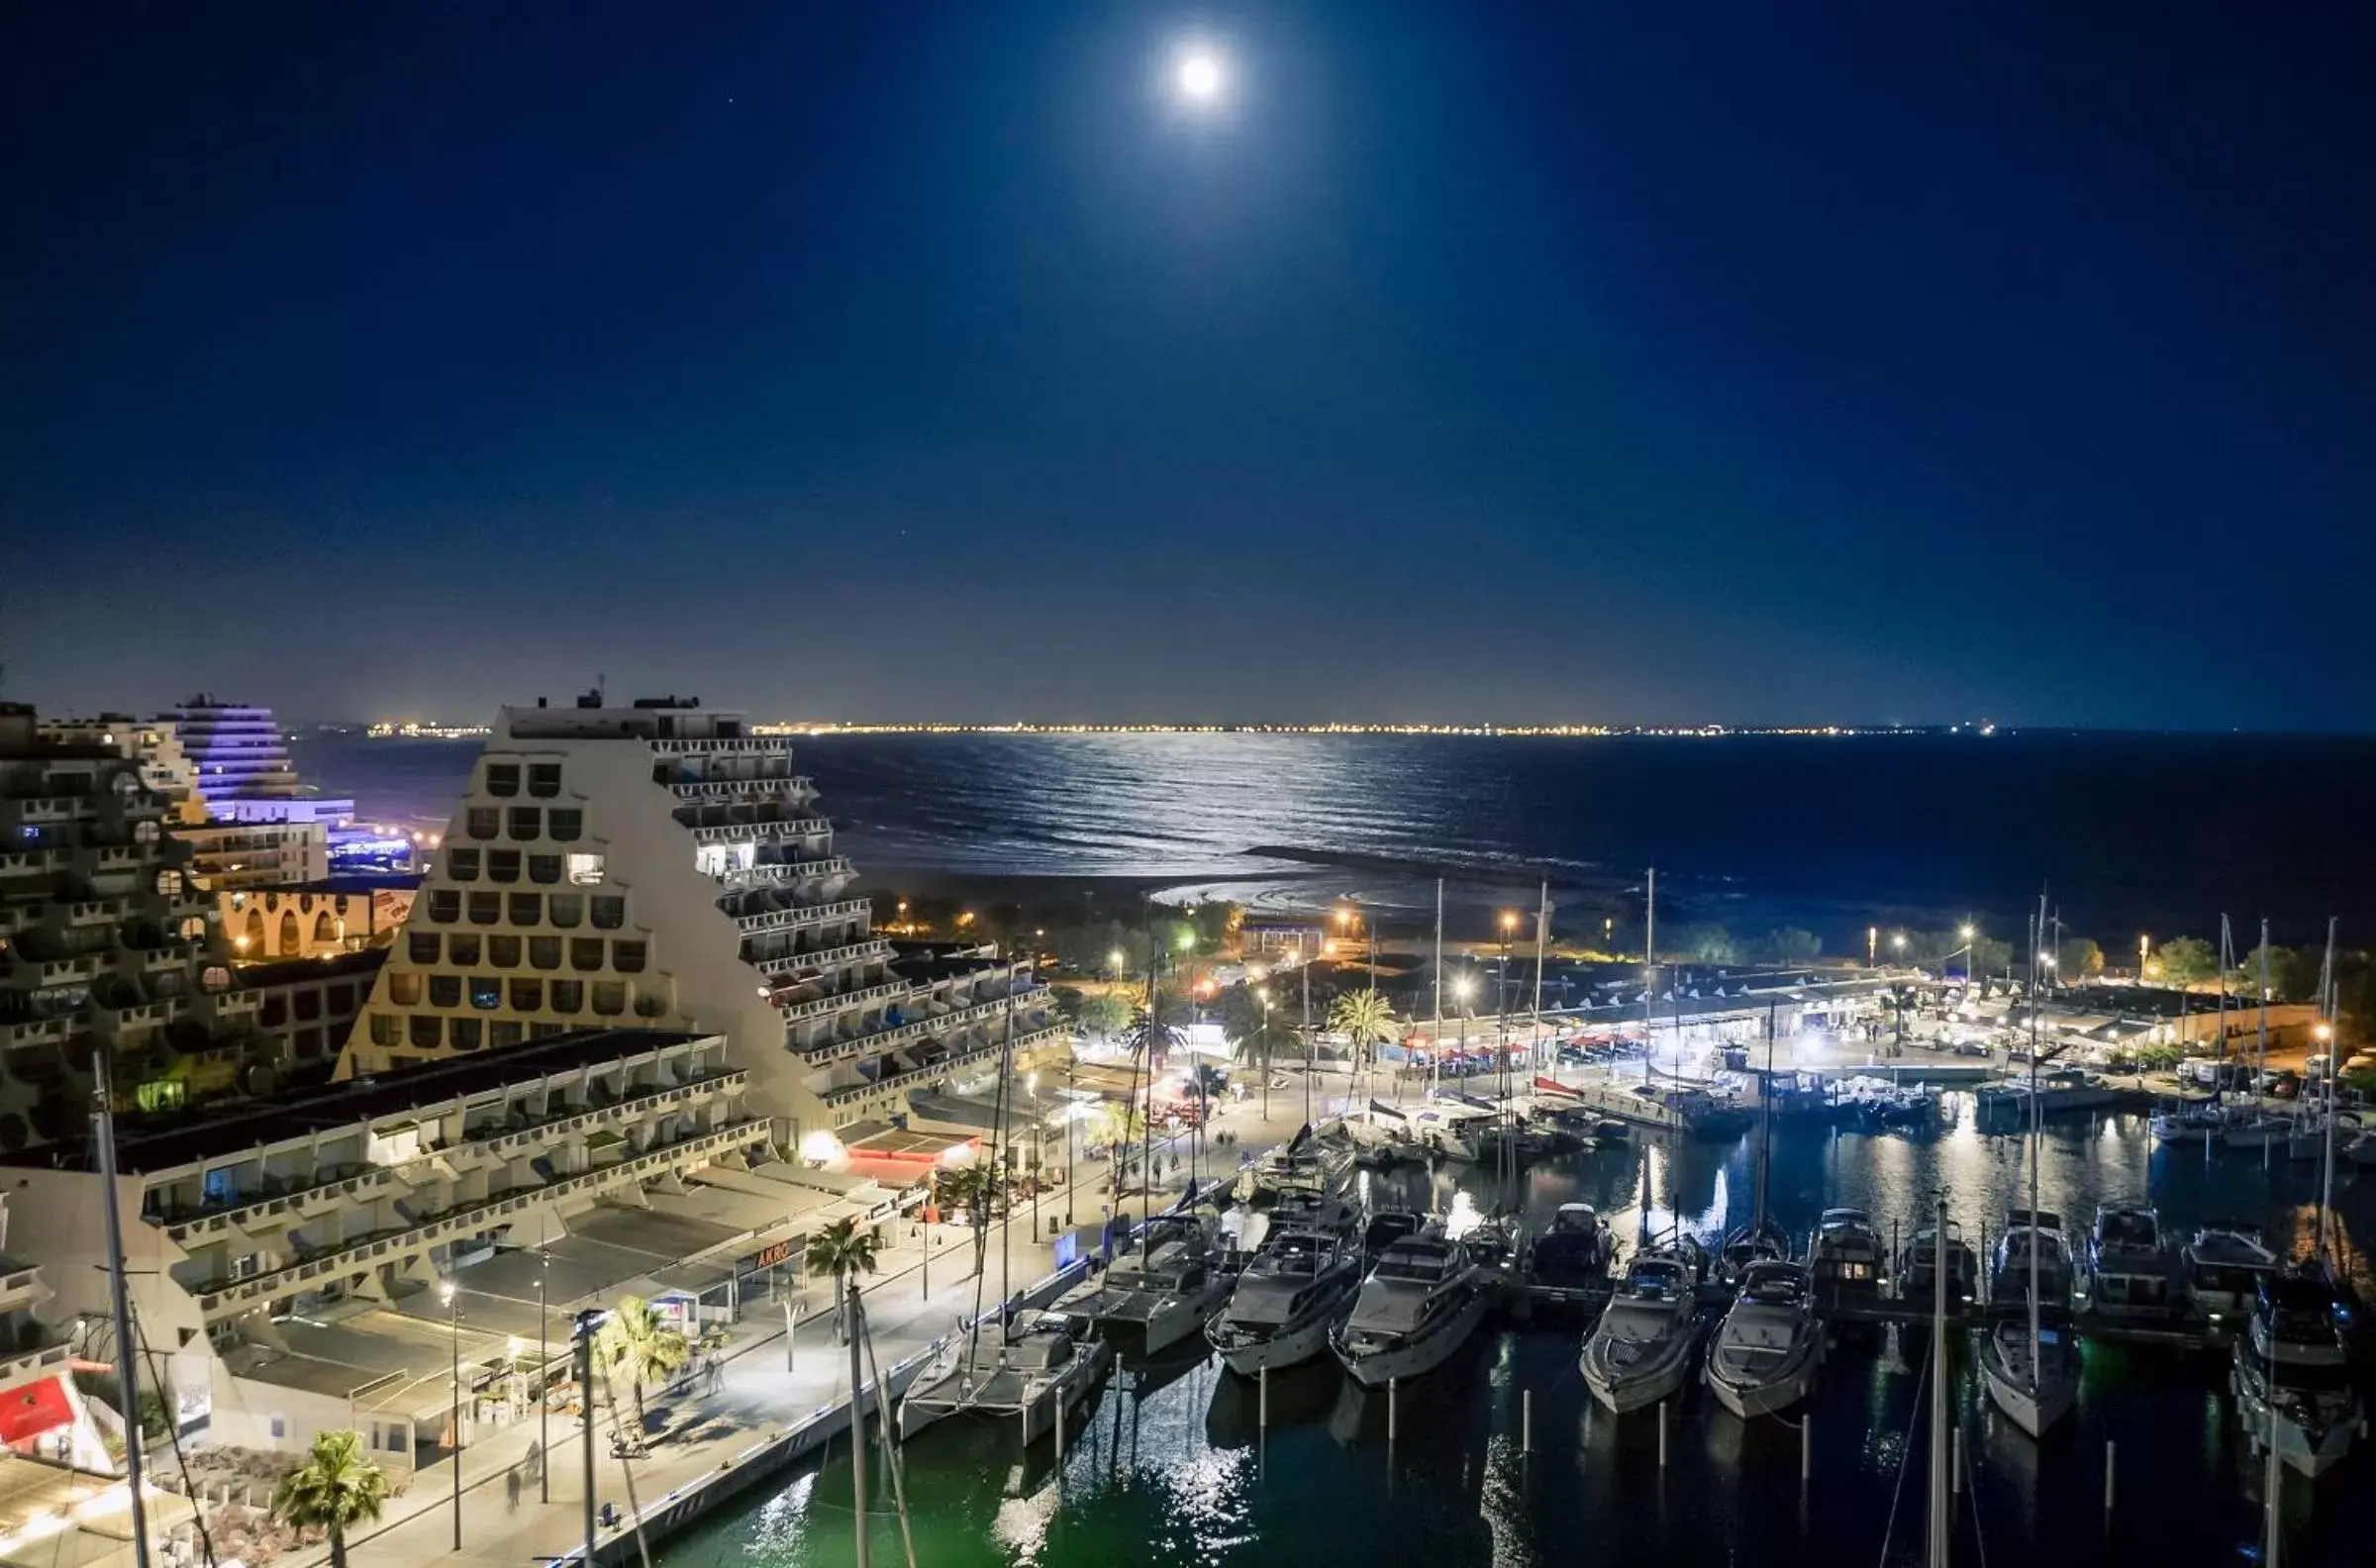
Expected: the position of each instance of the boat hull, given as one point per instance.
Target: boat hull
(1637, 1388)
(1290, 1347)
(1787, 1385)
(2036, 1410)
(1418, 1357)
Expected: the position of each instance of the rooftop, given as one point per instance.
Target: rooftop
(296, 971)
(156, 1144)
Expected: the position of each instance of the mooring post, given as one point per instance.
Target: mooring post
(1262, 1401)
(2109, 1448)
(1663, 1435)
(1526, 1421)
(1390, 1399)
(1806, 1446)
(1955, 1473)
(1059, 1436)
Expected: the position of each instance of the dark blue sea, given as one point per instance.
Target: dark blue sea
(2128, 834)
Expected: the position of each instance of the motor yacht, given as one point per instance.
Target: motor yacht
(1165, 1286)
(1420, 1303)
(1288, 1298)
(1767, 1349)
(2222, 1268)
(1019, 1371)
(1845, 1257)
(2010, 1277)
(2130, 1271)
(1917, 1263)
(1575, 1251)
(1640, 1350)
(1763, 1242)
(2292, 1379)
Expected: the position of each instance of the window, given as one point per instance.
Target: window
(610, 998)
(585, 955)
(169, 883)
(280, 1422)
(462, 864)
(543, 1030)
(565, 909)
(308, 1006)
(445, 906)
(503, 951)
(309, 1042)
(486, 908)
(527, 996)
(503, 778)
(568, 995)
(422, 946)
(214, 979)
(566, 825)
(253, 928)
(325, 929)
(424, 1029)
(543, 868)
(384, 1028)
(275, 1011)
(503, 866)
(503, 1033)
(608, 909)
(649, 1003)
(528, 821)
(483, 821)
(527, 908)
(404, 990)
(486, 992)
(464, 950)
(288, 933)
(339, 999)
(193, 927)
(464, 1032)
(544, 779)
(585, 869)
(627, 957)
(544, 952)
(445, 991)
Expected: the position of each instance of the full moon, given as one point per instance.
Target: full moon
(1200, 76)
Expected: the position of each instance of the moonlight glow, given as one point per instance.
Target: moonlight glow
(1198, 77)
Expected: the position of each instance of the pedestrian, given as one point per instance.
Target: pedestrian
(511, 1489)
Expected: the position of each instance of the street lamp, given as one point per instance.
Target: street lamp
(453, 1331)
(1116, 959)
(1897, 943)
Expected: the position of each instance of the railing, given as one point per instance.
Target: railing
(787, 871)
(843, 1001)
(348, 1258)
(884, 1039)
(824, 959)
(294, 1201)
(735, 789)
(35, 1031)
(788, 827)
(858, 1093)
(801, 914)
(697, 745)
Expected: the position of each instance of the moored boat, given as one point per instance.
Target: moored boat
(1418, 1305)
(2293, 1378)
(1286, 1302)
(1019, 1371)
(1769, 1344)
(1845, 1257)
(2222, 1268)
(1165, 1286)
(1639, 1352)
(2131, 1273)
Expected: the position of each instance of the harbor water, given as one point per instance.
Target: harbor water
(1170, 1465)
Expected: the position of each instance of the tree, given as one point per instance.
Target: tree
(1991, 956)
(1104, 1014)
(2184, 961)
(1787, 945)
(2293, 973)
(842, 1251)
(1709, 943)
(1113, 1124)
(973, 1188)
(1258, 1033)
(1154, 1039)
(1365, 1016)
(2078, 958)
(334, 1490)
(636, 1341)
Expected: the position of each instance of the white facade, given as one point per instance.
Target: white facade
(660, 864)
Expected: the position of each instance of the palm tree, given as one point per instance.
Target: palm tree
(973, 1188)
(335, 1489)
(1152, 1041)
(1365, 1015)
(842, 1251)
(1258, 1037)
(637, 1340)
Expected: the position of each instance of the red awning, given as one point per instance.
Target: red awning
(31, 1409)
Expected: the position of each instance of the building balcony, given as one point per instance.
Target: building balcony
(115, 1022)
(95, 912)
(802, 915)
(826, 869)
(66, 971)
(873, 1042)
(709, 746)
(798, 787)
(763, 831)
(48, 1356)
(844, 1001)
(917, 1077)
(358, 1183)
(36, 1031)
(353, 1257)
(823, 961)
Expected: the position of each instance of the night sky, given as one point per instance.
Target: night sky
(1581, 362)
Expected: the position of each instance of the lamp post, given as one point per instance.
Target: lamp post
(453, 1334)
(544, 1394)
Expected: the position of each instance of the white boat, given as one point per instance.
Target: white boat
(1019, 1373)
(2222, 1268)
(2032, 1398)
(2026, 1232)
(1846, 1257)
(1639, 1352)
(1418, 1305)
(1287, 1300)
(2293, 1377)
(1917, 1262)
(1449, 1127)
(1166, 1284)
(1765, 1352)
(2130, 1272)
(2307, 1141)
(2187, 1122)
(2257, 1131)
(1575, 1252)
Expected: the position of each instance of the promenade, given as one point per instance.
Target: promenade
(758, 1391)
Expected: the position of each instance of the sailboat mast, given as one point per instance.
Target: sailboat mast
(2326, 1011)
(1938, 1387)
(1436, 1029)
(1650, 973)
(1765, 1121)
(2227, 945)
(2036, 1122)
(127, 1355)
(2260, 1082)
(1543, 937)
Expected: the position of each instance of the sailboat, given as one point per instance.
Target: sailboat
(2030, 1363)
(1760, 1241)
(2263, 1127)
